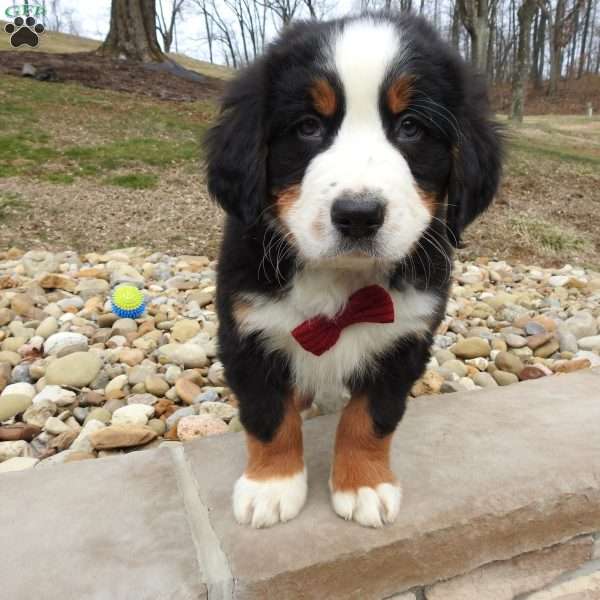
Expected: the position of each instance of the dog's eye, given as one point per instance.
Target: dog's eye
(310, 128)
(408, 129)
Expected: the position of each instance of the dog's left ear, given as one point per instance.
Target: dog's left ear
(477, 162)
(236, 148)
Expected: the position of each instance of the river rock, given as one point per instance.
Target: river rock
(548, 349)
(471, 348)
(582, 324)
(56, 395)
(77, 369)
(15, 399)
(38, 262)
(47, 327)
(18, 463)
(189, 355)
(12, 449)
(590, 343)
(55, 426)
(195, 426)
(82, 442)
(158, 426)
(184, 330)
(132, 414)
(18, 431)
(504, 377)
(506, 361)
(98, 414)
(220, 410)
(39, 412)
(121, 436)
(65, 342)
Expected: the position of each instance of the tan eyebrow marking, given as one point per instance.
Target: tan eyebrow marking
(399, 94)
(323, 97)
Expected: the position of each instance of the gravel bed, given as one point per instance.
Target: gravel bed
(77, 383)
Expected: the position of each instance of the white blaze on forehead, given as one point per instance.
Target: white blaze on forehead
(363, 54)
(361, 158)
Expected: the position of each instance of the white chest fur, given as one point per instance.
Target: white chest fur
(325, 292)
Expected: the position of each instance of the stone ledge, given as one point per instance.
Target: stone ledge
(488, 476)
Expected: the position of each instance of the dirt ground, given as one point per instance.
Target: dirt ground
(100, 72)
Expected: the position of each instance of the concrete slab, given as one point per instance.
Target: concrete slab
(110, 529)
(486, 476)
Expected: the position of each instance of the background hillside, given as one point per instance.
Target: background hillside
(110, 155)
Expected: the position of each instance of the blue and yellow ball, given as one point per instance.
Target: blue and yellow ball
(128, 302)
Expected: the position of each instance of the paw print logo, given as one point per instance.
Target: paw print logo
(24, 31)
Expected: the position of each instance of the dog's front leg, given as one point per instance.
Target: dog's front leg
(273, 487)
(363, 485)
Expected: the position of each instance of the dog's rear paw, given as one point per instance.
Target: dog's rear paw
(262, 503)
(368, 506)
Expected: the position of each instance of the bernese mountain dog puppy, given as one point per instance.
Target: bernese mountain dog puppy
(349, 159)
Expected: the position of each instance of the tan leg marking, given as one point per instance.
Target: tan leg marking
(363, 487)
(361, 458)
(283, 455)
(273, 487)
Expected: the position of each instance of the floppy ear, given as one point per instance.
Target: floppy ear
(236, 148)
(477, 163)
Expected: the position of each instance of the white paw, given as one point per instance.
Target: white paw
(265, 503)
(371, 507)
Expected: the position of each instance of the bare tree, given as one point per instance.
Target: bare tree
(60, 18)
(283, 11)
(539, 47)
(132, 31)
(561, 23)
(525, 14)
(166, 23)
(455, 31)
(475, 17)
(584, 39)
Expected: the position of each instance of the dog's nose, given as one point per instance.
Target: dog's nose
(357, 216)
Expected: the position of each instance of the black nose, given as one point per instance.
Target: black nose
(357, 216)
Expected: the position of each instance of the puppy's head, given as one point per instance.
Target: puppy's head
(352, 137)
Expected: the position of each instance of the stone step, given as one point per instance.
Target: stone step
(487, 476)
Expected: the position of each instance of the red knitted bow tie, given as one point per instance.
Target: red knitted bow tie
(371, 304)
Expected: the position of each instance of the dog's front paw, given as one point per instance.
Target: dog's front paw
(263, 503)
(368, 506)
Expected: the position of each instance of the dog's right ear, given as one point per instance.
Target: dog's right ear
(236, 148)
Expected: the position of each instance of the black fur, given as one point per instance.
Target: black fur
(254, 152)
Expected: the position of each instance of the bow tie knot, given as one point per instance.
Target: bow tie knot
(371, 304)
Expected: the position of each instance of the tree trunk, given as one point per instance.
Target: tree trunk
(133, 31)
(586, 27)
(480, 37)
(475, 14)
(491, 42)
(555, 46)
(525, 14)
(539, 52)
(571, 63)
(456, 26)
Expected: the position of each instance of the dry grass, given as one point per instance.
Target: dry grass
(95, 169)
(547, 209)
